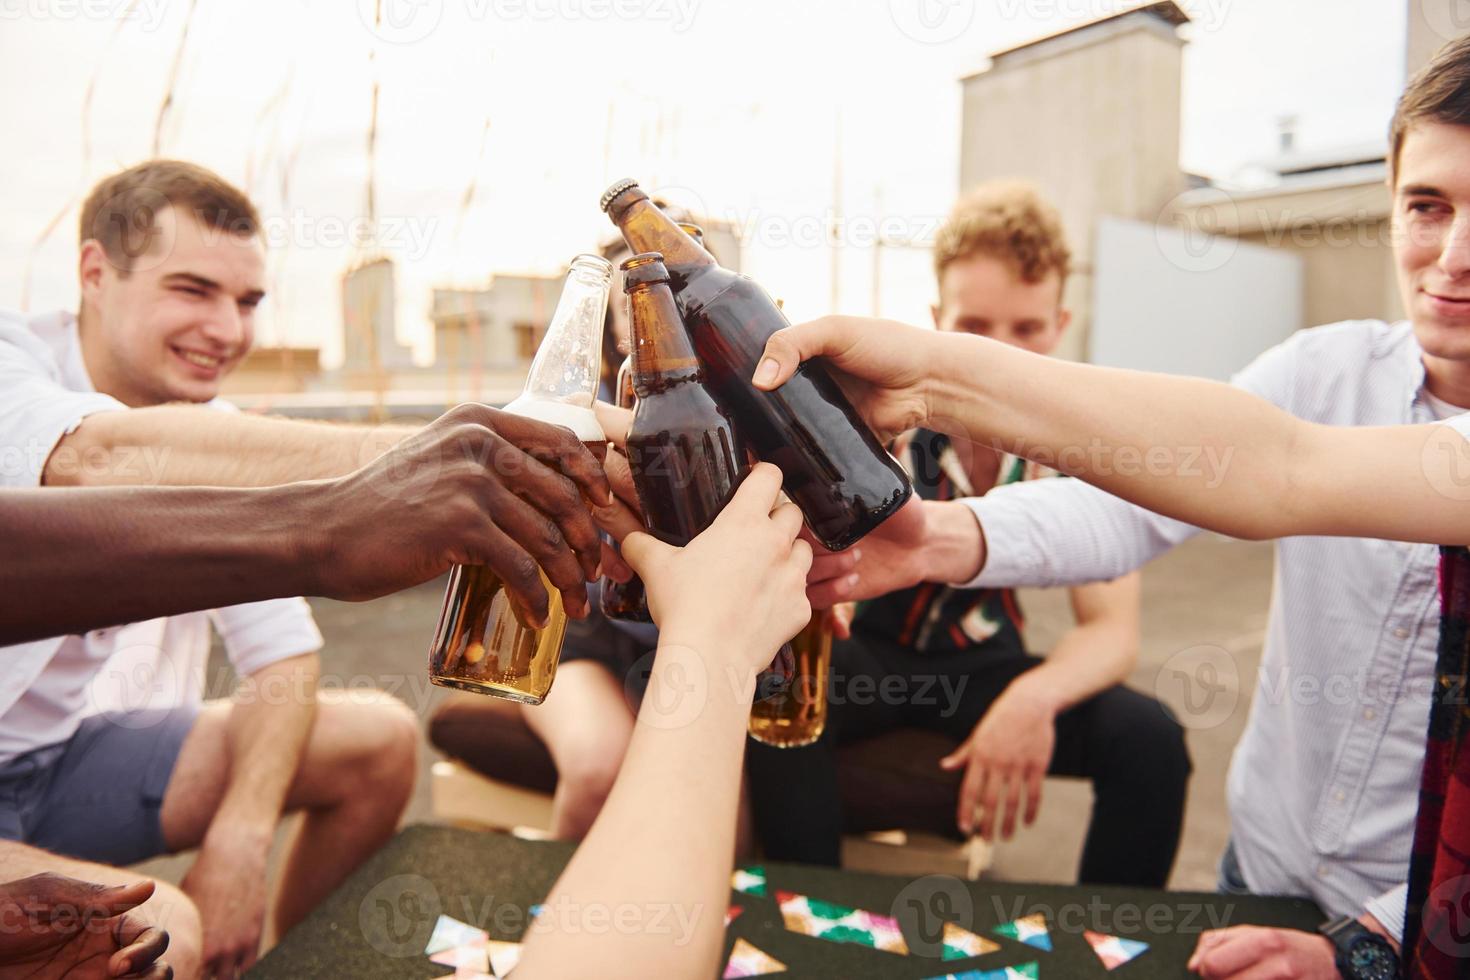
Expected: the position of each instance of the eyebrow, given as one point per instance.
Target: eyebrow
(1422, 190)
(203, 282)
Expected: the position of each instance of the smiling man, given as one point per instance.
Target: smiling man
(1323, 789)
(171, 270)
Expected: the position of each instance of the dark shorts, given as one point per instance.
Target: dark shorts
(97, 795)
(625, 649)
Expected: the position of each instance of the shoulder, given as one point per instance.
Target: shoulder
(33, 342)
(1328, 361)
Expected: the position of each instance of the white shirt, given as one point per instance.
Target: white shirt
(49, 686)
(1324, 784)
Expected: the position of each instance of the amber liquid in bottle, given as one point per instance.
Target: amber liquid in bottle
(835, 470)
(796, 716)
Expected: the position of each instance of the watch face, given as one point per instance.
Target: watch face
(1370, 958)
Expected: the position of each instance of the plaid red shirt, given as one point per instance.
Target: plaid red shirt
(1437, 923)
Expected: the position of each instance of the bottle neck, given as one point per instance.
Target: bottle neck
(662, 354)
(646, 228)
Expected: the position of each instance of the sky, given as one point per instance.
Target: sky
(769, 113)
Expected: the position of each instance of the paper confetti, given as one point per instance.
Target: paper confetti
(1114, 951)
(747, 961)
(733, 913)
(1030, 930)
(471, 957)
(1021, 971)
(840, 924)
(962, 944)
(749, 881)
(503, 956)
(450, 932)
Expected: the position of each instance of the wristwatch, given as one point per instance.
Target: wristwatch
(1361, 953)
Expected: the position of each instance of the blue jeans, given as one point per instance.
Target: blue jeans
(1231, 882)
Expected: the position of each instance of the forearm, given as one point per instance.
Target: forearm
(185, 445)
(270, 722)
(1166, 443)
(662, 844)
(1088, 659)
(201, 547)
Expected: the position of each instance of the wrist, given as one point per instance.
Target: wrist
(953, 549)
(1034, 690)
(244, 840)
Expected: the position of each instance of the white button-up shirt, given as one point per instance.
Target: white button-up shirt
(49, 686)
(1323, 786)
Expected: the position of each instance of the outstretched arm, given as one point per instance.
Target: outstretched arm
(1196, 450)
(476, 487)
(663, 843)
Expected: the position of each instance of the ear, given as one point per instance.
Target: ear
(934, 312)
(92, 269)
(1064, 320)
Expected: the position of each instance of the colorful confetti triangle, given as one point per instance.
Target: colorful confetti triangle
(733, 913)
(747, 961)
(450, 932)
(1030, 930)
(840, 924)
(749, 881)
(1114, 951)
(503, 956)
(962, 944)
(473, 957)
(1021, 971)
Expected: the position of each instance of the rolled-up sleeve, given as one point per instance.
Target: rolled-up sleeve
(257, 634)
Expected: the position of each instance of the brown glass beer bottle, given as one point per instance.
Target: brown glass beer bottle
(685, 452)
(835, 469)
(625, 600)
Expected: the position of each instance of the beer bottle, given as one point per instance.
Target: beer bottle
(835, 469)
(483, 642)
(796, 716)
(625, 600)
(685, 452)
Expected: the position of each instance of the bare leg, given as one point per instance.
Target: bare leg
(354, 780)
(168, 908)
(586, 727)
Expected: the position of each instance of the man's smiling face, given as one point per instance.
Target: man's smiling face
(181, 317)
(1431, 216)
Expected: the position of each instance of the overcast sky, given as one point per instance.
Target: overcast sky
(740, 105)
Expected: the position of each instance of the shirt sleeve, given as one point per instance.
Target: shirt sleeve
(257, 634)
(36, 411)
(1389, 909)
(1067, 532)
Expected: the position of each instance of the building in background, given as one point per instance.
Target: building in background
(1199, 275)
(494, 328)
(370, 344)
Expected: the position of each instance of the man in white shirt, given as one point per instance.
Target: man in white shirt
(171, 269)
(1323, 788)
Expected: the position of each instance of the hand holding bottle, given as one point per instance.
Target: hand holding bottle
(737, 590)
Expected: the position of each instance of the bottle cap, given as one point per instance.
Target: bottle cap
(613, 191)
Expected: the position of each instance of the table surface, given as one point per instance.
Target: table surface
(378, 922)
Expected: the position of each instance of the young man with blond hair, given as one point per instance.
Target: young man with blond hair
(1001, 261)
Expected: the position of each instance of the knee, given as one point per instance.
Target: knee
(586, 777)
(1144, 734)
(387, 750)
(172, 911)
